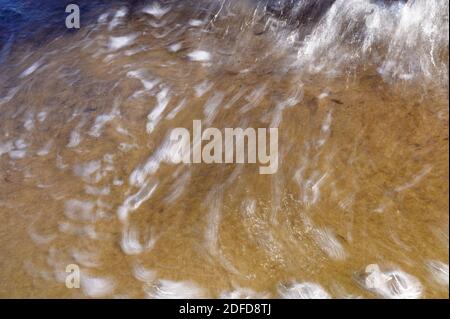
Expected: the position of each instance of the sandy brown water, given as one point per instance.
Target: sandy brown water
(362, 178)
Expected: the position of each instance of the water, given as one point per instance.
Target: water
(358, 207)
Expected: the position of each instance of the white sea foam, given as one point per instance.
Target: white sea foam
(118, 182)
(96, 287)
(162, 98)
(244, 293)
(116, 43)
(176, 109)
(438, 271)
(196, 22)
(168, 152)
(148, 82)
(175, 47)
(74, 139)
(167, 289)
(200, 56)
(254, 98)
(130, 242)
(79, 210)
(178, 187)
(97, 191)
(323, 95)
(395, 284)
(305, 290)
(202, 88)
(44, 150)
(214, 202)
(259, 229)
(143, 274)
(328, 242)
(31, 69)
(133, 202)
(118, 18)
(415, 179)
(156, 10)
(29, 122)
(102, 120)
(20, 144)
(235, 98)
(85, 258)
(310, 187)
(212, 107)
(60, 162)
(354, 31)
(9, 96)
(6, 147)
(15, 150)
(38, 238)
(75, 136)
(103, 18)
(87, 169)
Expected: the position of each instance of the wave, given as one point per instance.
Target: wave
(400, 39)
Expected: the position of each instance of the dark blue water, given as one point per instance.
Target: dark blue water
(40, 20)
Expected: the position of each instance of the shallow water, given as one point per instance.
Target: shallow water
(357, 209)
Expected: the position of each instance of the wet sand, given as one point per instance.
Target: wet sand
(87, 178)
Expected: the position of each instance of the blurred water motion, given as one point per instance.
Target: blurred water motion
(358, 207)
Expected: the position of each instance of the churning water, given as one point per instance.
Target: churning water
(357, 89)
